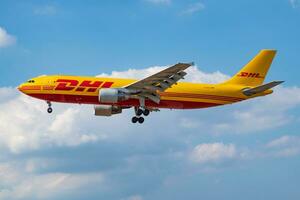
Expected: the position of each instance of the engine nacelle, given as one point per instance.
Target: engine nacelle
(112, 95)
(107, 110)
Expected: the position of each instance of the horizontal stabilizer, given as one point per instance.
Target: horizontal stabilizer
(261, 88)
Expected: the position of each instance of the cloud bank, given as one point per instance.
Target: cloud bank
(214, 152)
(72, 154)
(193, 74)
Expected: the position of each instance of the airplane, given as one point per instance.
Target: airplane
(158, 91)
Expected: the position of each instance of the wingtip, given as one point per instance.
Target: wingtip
(190, 63)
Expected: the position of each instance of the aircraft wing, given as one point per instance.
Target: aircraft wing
(149, 86)
(261, 88)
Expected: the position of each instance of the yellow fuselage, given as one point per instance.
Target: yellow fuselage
(85, 90)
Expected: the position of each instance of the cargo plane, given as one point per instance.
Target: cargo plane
(160, 90)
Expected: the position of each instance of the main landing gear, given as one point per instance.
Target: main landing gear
(49, 110)
(139, 112)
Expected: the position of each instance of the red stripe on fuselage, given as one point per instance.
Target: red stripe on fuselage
(85, 99)
(30, 87)
(201, 96)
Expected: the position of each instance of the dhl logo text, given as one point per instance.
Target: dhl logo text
(250, 75)
(89, 86)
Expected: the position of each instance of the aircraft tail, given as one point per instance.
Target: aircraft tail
(254, 73)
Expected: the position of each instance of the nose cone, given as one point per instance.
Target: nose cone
(21, 88)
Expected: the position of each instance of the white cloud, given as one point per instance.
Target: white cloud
(213, 152)
(63, 128)
(134, 73)
(282, 141)
(193, 8)
(45, 10)
(19, 184)
(6, 94)
(6, 39)
(193, 74)
(262, 113)
(161, 2)
(197, 76)
(294, 3)
(24, 125)
(285, 146)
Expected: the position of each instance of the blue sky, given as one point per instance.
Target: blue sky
(249, 150)
(95, 37)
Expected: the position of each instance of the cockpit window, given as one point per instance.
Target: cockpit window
(30, 81)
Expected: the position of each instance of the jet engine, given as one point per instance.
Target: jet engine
(107, 110)
(112, 95)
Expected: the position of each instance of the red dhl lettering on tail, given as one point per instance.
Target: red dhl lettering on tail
(250, 75)
(86, 85)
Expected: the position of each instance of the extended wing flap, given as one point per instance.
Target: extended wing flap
(261, 88)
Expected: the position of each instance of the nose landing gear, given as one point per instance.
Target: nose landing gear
(49, 110)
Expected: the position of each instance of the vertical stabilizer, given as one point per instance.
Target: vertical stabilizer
(254, 73)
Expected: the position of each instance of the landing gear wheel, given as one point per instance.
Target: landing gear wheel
(141, 120)
(139, 112)
(49, 110)
(146, 112)
(134, 120)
